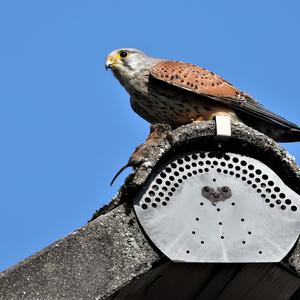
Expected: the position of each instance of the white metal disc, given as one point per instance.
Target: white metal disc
(209, 207)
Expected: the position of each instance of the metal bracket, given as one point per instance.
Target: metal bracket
(216, 195)
(223, 127)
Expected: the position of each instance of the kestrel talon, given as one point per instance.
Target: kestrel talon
(177, 93)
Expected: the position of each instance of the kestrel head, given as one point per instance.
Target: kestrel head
(126, 62)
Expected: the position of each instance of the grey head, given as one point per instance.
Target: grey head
(129, 64)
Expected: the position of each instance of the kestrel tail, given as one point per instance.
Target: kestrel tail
(177, 93)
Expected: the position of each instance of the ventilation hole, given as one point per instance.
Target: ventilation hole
(257, 180)
(263, 185)
(214, 179)
(268, 190)
(254, 186)
(267, 200)
(194, 164)
(164, 188)
(167, 198)
(200, 170)
(194, 156)
(154, 205)
(163, 175)
(294, 208)
(168, 170)
(173, 165)
(245, 171)
(258, 172)
(197, 219)
(208, 162)
(225, 171)
(189, 174)
(278, 202)
(265, 177)
(171, 178)
(251, 175)
(243, 178)
(251, 167)
(194, 172)
(158, 181)
(220, 223)
(180, 161)
(215, 162)
(243, 163)
(193, 232)
(170, 194)
(181, 169)
(184, 177)
(273, 196)
(210, 155)
(276, 189)
(226, 157)
(176, 173)
(243, 242)
(249, 181)
(151, 193)
(258, 190)
(173, 189)
(231, 173)
(249, 232)
(237, 168)
(218, 209)
(223, 164)
(237, 175)
(200, 163)
(288, 201)
(157, 199)
(206, 169)
(233, 203)
(202, 242)
(144, 206)
(176, 185)
(201, 203)
(202, 155)
(270, 183)
(283, 207)
(260, 252)
(230, 166)
(187, 251)
(235, 159)
(222, 237)
(179, 180)
(263, 195)
(187, 167)
(272, 205)
(187, 158)
(282, 195)
(168, 183)
(242, 219)
(147, 199)
(218, 170)
(155, 187)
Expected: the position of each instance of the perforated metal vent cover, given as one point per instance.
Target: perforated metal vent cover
(208, 207)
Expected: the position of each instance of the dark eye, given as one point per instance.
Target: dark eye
(123, 54)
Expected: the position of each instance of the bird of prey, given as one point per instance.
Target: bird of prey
(177, 93)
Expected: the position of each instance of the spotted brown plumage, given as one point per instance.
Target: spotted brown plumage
(178, 93)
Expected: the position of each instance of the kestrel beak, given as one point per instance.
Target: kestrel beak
(111, 60)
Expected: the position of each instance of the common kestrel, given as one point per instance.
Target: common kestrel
(177, 93)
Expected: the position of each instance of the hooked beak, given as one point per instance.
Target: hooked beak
(110, 62)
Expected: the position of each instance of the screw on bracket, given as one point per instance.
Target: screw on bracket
(216, 195)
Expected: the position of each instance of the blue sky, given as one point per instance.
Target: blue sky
(66, 124)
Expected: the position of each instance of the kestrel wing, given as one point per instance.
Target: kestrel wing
(203, 82)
